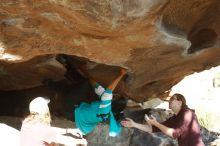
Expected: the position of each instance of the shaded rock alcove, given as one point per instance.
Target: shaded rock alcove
(62, 86)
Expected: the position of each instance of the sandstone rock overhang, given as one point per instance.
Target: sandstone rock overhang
(158, 41)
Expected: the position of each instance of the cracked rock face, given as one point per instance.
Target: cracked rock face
(159, 41)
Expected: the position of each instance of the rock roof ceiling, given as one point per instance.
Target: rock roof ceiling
(158, 41)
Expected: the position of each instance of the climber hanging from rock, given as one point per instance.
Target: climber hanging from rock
(88, 115)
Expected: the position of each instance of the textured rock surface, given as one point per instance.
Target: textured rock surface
(158, 41)
(128, 137)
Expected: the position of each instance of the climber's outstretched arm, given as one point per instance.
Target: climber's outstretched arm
(93, 82)
(115, 82)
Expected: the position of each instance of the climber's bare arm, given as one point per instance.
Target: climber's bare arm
(115, 82)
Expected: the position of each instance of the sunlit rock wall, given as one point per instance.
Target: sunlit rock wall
(158, 41)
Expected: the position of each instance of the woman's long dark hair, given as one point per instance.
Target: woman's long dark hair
(180, 97)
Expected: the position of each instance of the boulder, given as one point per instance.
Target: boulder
(158, 42)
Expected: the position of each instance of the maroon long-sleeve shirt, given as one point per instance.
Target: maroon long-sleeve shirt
(186, 128)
